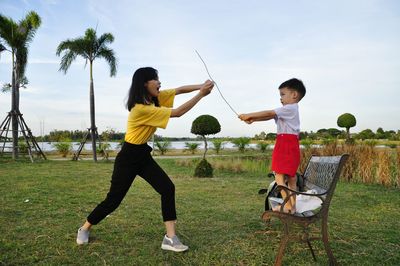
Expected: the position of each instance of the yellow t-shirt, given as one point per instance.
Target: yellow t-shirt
(144, 119)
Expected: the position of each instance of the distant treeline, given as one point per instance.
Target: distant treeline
(108, 135)
(78, 135)
(333, 133)
(112, 135)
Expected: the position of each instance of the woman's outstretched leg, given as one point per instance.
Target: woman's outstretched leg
(121, 180)
(160, 181)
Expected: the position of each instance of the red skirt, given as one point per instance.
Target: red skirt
(286, 154)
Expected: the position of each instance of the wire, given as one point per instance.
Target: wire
(215, 83)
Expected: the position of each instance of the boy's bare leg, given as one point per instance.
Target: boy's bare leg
(292, 184)
(280, 180)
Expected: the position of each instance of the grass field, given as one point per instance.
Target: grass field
(43, 204)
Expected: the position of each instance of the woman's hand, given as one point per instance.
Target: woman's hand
(206, 88)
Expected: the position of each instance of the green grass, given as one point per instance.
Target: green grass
(219, 218)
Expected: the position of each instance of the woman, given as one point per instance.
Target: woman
(149, 108)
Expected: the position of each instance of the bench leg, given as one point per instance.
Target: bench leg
(311, 249)
(282, 246)
(306, 238)
(332, 260)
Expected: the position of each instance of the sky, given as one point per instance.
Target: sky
(347, 53)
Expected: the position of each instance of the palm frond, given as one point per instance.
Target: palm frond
(6, 87)
(21, 56)
(2, 48)
(83, 47)
(18, 36)
(90, 39)
(28, 26)
(80, 46)
(8, 29)
(23, 82)
(66, 60)
(72, 48)
(109, 56)
(105, 39)
(73, 45)
(90, 48)
(102, 42)
(90, 34)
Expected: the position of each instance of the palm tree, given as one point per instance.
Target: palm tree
(17, 36)
(89, 47)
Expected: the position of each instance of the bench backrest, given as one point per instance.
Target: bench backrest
(322, 174)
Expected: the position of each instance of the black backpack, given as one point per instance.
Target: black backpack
(271, 193)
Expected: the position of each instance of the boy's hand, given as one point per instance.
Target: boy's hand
(246, 118)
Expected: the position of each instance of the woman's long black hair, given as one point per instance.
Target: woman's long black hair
(138, 92)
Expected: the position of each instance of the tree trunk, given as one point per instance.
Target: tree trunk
(348, 133)
(14, 108)
(92, 113)
(205, 147)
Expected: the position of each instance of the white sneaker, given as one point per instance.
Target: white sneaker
(82, 237)
(173, 244)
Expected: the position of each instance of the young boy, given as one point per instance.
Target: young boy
(286, 154)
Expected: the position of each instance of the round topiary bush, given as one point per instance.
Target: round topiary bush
(347, 121)
(203, 169)
(205, 125)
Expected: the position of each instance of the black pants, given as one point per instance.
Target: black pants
(135, 160)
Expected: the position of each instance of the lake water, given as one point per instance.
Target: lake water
(175, 145)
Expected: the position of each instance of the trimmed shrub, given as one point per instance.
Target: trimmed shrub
(205, 125)
(203, 169)
(347, 121)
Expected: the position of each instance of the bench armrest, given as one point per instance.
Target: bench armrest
(292, 193)
(278, 188)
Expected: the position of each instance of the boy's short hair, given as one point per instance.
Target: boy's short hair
(296, 85)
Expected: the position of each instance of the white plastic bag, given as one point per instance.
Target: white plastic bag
(307, 203)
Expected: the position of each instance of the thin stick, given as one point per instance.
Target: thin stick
(215, 83)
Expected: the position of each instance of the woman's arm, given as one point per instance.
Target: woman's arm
(189, 88)
(257, 116)
(204, 91)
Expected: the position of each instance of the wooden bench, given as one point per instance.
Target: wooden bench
(320, 176)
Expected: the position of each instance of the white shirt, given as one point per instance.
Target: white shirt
(287, 119)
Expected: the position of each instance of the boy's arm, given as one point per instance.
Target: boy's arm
(257, 116)
(189, 88)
